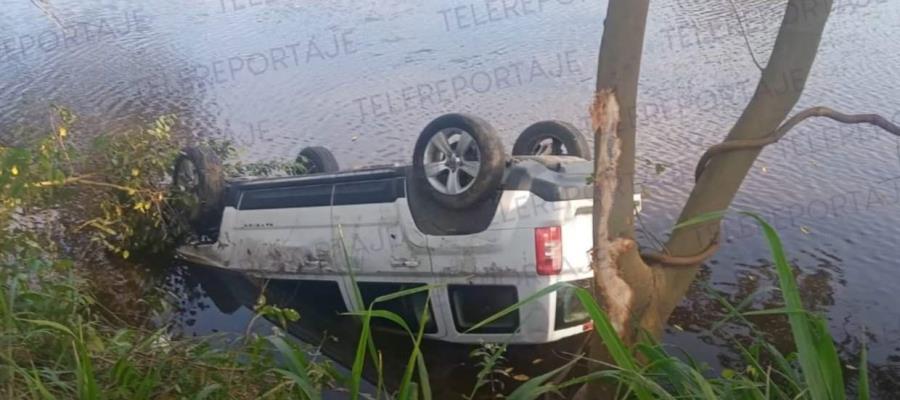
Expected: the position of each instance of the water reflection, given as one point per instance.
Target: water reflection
(209, 297)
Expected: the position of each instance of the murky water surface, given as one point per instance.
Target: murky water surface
(362, 78)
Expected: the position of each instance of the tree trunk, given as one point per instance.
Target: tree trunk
(778, 91)
(635, 295)
(621, 279)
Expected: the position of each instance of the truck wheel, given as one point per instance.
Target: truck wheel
(459, 159)
(198, 181)
(552, 138)
(318, 159)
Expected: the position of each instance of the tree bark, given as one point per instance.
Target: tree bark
(618, 284)
(621, 279)
(617, 82)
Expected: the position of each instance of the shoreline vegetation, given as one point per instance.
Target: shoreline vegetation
(57, 341)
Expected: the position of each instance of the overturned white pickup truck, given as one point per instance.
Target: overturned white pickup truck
(487, 228)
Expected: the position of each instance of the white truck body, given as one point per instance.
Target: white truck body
(316, 230)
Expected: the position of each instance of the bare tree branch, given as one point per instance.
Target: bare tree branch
(732, 145)
(668, 260)
(744, 34)
(49, 11)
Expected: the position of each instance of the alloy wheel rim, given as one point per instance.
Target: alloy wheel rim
(452, 161)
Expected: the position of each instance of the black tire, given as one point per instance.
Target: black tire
(202, 191)
(565, 140)
(489, 151)
(318, 159)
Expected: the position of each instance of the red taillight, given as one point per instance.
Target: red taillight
(548, 250)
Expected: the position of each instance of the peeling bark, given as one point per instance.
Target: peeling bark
(613, 291)
(623, 280)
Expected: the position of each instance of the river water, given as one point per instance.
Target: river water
(362, 78)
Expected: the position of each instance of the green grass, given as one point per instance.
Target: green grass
(56, 347)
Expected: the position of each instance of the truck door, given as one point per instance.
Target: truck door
(371, 228)
(285, 230)
(386, 252)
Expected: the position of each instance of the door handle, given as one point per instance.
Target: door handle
(404, 263)
(320, 262)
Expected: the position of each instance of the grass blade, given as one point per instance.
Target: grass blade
(407, 388)
(815, 349)
(703, 218)
(515, 307)
(299, 367)
(50, 324)
(302, 382)
(863, 389)
(384, 314)
(87, 382)
(360, 358)
(365, 337)
(617, 349)
(404, 293)
(534, 387)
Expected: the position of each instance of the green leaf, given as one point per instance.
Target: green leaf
(302, 382)
(863, 385)
(50, 324)
(701, 219)
(408, 389)
(404, 293)
(815, 349)
(298, 364)
(534, 387)
(84, 372)
(617, 349)
(360, 358)
(515, 307)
